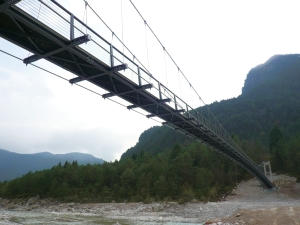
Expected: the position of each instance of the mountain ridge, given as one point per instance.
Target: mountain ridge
(14, 164)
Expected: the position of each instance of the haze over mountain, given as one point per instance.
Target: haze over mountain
(14, 165)
(270, 96)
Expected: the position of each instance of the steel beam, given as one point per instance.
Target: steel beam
(142, 106)
(77, 41)
(165, 114)
(143, 87)
(71, 27)
(7, 4)
(111, 70)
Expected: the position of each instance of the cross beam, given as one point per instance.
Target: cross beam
(166, 114)
(111, 94)
(77, 41)
(111, 70)
(158, 102)
(179, 122)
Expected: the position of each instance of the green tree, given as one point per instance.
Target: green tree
(177, 149)
(128, 178)
(275, 137)
(292, 152)
(161, 187)
(276, 148)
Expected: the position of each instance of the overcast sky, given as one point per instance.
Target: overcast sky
(215, 44)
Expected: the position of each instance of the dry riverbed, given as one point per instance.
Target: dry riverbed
(249, 204)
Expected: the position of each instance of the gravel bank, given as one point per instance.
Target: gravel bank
(249, 203)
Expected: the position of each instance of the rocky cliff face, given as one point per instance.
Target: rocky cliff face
(279, 69)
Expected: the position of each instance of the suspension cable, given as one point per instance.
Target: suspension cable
(127, 49)
(165, 65)
(112, 38)
(156, 37)
(191, 95)
(132, 67)
(139, 60)
(147, 47)
(122, 27)
(201, 106)
(86, 17)
(162, 45)
(179, 82)
(84, 11)
(175, 63)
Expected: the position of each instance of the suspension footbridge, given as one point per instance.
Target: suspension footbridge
(92, 58)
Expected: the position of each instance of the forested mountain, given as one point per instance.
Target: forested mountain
(270, 96)
(13, 164)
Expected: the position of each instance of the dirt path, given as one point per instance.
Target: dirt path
(258, 206)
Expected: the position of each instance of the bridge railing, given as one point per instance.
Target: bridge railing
(55, 17)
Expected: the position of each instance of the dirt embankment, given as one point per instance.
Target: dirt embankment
(258, 206)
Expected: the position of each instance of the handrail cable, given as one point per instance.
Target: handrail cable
(38, 15)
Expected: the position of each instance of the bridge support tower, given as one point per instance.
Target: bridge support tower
(267, 169)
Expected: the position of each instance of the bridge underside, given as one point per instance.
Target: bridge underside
(20, 28)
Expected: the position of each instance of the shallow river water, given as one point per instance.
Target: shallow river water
(28, 217)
